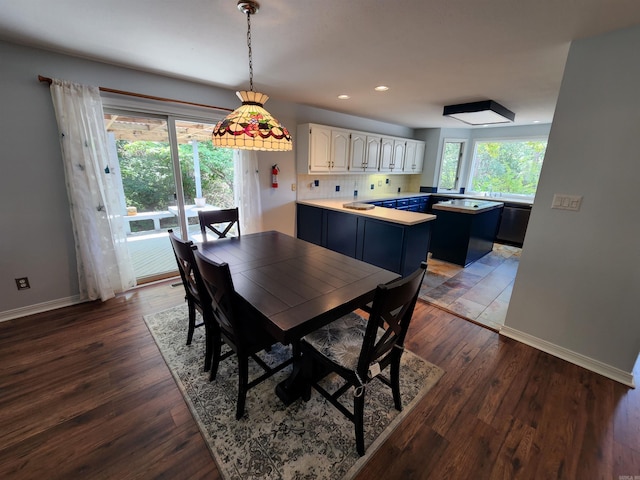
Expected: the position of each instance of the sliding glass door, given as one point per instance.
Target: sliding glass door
(168, 169)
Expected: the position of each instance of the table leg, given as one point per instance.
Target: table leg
(290, 389)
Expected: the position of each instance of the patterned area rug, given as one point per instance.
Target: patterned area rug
(306, 440)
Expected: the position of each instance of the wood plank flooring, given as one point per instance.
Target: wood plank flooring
(84, 393)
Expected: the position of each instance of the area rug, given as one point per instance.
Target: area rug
(306, 440)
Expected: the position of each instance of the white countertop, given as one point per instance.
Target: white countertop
(402, 217)
(512, 200)
(468, 205)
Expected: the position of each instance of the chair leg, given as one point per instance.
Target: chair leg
(395, 380)
(192, 321)
(358, 420)
(307, 376)
(216, 345)
(208, 345)
(243, 379)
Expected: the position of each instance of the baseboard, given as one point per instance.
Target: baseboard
(583, 361)
(39, 308)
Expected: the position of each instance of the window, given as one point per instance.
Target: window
(450, 166)
(154, 171)
(507, 167)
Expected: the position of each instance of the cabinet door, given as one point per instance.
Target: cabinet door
(309, 223)
(399, 149)
(386, 154)
(372, 155)
(339, 150)
(414, 157)
(341, 232)
(358, 150)
(418, 161)
(320, 149)
(382, 244)
(392, 154)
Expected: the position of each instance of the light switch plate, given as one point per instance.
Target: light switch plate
(566, 202)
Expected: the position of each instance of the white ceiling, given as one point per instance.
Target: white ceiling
(430, 53)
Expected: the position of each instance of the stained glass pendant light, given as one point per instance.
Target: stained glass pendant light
(250, 126)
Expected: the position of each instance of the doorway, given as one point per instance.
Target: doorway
(168, 168)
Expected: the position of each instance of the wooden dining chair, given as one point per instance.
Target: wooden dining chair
(196, 295)
(358, 349)
(239, 328)
(219, 222)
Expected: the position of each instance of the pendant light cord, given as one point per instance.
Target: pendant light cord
(249, 45)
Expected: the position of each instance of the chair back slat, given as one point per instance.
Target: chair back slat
(389, 320)
(189, 273)
(219, 285)
(212, 219)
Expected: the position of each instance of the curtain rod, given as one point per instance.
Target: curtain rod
(142, 95)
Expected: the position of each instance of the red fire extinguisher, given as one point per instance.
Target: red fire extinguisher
(274, 176)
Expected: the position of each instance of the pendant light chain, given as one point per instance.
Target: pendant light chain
(249, 45)
(250, 126)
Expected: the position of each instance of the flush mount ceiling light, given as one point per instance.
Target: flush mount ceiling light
(480, 113)
(250, 126)
(381, 88)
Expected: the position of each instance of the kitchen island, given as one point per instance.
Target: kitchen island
(396, 240)
(465, 230)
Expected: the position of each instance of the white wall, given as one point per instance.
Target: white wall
(34, 210)
(576, 288)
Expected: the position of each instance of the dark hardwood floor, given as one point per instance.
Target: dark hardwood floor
(84, 393)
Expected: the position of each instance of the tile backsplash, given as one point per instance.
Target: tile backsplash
(343, 186)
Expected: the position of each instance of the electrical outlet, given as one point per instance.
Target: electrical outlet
(379, 183)
(23, 283)
(293, 187)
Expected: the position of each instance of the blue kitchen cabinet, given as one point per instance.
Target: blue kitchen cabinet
(463, 238)
(396, 247)
(309, 224)
(341, 232)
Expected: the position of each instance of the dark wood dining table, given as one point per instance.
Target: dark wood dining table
(294, 287)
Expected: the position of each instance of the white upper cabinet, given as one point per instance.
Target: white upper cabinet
(399, 151)
(414, 157)
(392, 154)
(322, 149)
(365, 152)
(319, 149)
(325, 149)
(373, 153)
(340, 140)
(358, 152)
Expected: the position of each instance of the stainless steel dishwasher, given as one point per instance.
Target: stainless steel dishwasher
(513, 224)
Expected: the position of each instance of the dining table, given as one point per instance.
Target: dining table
(294, 287)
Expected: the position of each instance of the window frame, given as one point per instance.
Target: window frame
(460, 167)
(470, 171)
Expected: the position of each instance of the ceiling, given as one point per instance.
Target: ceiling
(430, 53)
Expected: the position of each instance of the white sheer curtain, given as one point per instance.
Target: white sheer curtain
(247, 190)
(104, 266)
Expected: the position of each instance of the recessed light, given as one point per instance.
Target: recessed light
(536, 121)
(381, 88)
(344, 96)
